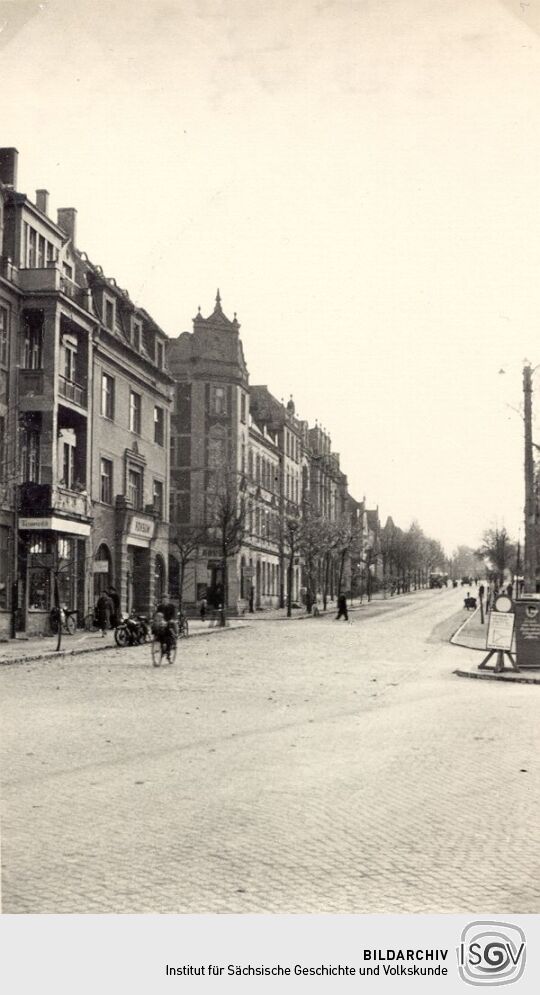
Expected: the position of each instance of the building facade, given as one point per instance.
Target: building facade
(63, 541)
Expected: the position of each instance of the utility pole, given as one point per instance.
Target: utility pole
(529, 565)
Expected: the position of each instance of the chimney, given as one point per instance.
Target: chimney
(42, 201)
(8, 167)
(67, 220)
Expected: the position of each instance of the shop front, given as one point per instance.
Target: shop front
(53, 563)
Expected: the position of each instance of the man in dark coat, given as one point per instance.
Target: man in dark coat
(104, 610)
(116, 614)
(342, 608)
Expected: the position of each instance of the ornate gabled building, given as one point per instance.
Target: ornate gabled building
(209, 436)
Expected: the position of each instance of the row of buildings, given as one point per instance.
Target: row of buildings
(111, 432)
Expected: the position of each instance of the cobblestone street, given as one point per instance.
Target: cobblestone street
(312, 766)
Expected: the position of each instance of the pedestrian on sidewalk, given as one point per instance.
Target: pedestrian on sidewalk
(342, 608)
(116, 616)
(104, 610)
(202, 609)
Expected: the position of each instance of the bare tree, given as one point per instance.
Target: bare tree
(226, 519)
(187, 540)
(291, 539)
(499, 551)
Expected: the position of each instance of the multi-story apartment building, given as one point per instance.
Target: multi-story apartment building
(132, 395)
(209, 443)
(69, 516)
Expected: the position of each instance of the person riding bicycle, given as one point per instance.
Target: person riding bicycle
(165, 627)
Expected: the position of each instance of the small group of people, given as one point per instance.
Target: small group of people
(107, 610)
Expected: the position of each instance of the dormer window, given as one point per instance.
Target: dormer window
(109, 313)
(160, 354)
(137, 334)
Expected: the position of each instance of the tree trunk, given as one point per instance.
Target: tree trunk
(289, 584)
(325, 580)
(58, 616)
(181, 575)
(223, 616)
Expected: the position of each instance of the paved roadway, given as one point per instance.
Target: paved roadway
(305, 766)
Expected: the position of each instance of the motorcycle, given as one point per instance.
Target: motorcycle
(133, 630)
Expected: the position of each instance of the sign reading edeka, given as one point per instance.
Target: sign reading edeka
(141, 528)
(500, 631)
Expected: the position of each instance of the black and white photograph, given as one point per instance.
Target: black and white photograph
(270, 490)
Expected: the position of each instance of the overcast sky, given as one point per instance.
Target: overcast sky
(360, 179)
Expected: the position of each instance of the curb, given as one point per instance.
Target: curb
(53, 655)
(486, 676)
(462, 626)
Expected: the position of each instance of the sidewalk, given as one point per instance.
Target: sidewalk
(23, 650)
(472, 635)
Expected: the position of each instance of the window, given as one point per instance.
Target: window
(107, 395)
(217, 400)
(40, 252)
(67, 465)
(70, 356)
(135, 488)
(30, 456)
(3, 336)
(243, 408)
(33, 344)
(135, 412)
(160, 354)
(158, 498)
(137, 334)
(109, 314)
(67, 271)
(159, 426)
(106, 481)
(31, 247)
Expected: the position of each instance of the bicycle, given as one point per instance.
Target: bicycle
(67, 618)
(164, 641)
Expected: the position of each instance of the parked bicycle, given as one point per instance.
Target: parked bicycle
(66, 617)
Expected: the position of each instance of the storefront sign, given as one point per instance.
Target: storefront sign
(141, 527)
(54, 525)
(500, 631)
(101, 566)
(35, 524)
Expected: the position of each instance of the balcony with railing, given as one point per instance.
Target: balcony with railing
(72, 391)
(75, 503)
(38, 500)
(50, 278)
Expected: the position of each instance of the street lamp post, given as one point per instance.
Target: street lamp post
(529, 565)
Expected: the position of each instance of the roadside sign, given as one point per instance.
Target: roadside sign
(500, 631)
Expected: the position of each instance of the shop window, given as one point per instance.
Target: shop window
(159, 426)
(107, 395)
(66, 571)
(106, 472)
(135, 412)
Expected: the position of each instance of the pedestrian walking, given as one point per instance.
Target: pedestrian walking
(116, 616)
(104, 611)
(342, 608)
(202, 609)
